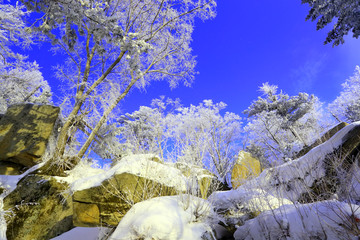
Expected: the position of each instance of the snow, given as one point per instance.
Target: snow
(252, 200)
(82, 170)
(139, 165)
(320, 220)
(80, 233)
(2, 220)
(274, 193)
(179, 217)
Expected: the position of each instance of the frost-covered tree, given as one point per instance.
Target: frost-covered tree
(20, 80)
(147, 130)
(22, 83)
(346, 107)
(207, 138)
(198, 135)
(279, 125)
(346, 13)
(114, 45)
(13, 31)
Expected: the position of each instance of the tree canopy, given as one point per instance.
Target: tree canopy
(346, 13)
(113, 46)
(279, 125)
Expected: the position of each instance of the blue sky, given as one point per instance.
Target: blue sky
(247, 44)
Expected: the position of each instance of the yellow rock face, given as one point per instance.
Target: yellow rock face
(24, 132)
(246, 167)
(86, 214)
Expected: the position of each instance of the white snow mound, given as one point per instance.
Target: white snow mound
(181, 217)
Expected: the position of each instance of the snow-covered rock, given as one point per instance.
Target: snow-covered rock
(104, 198)
(141, 165)
(325, 137)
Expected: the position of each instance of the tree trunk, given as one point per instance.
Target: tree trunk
(63, 135)
(103, 119)
(80, 99)
(293, 131)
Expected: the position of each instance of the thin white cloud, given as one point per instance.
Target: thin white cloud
(306, 75)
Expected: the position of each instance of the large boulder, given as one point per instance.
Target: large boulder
(245, 168)
(39, 208)
(102, 200)
(24, 132)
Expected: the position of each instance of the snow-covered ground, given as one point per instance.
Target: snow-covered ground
(252, 199)
(181, 217)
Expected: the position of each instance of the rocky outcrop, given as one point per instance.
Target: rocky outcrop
(245, 168)
(39, 208)
(24, 132)
(326, 136)
(132, 180)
